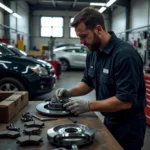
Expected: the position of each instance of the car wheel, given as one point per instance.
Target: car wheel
(11, 84)
(64, 65)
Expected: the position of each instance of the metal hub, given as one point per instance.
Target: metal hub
(53, 107)
(68, 134)
(8, 87)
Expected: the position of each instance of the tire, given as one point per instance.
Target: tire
(11, 84)
(64, 65)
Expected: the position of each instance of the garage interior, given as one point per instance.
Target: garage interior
(37, 27)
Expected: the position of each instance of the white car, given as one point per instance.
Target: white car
(71, 56)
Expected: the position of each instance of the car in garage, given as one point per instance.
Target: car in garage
(20, 53)
(20, 73)
(71, 56)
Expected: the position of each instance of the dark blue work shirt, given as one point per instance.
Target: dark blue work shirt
(117, 71)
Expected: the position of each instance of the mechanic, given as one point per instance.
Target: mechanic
(115, 71)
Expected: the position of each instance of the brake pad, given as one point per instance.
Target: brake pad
(60, 148)
(26, 117)
(32, 131)
(29, 140)
(27, 114)
(34, 124)
(9, 134)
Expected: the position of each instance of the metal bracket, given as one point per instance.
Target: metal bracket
(22, 96)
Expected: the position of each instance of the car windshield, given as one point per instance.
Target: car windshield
(17, 51)
(5, 51)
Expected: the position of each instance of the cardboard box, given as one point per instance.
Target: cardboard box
(11, 103)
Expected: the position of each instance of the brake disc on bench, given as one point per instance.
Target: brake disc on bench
(53, 107)
(68, 134)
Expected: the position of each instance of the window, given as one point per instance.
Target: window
(68, 50)
(81, 50)
(52, 26)
(5, 51)
(72, 31)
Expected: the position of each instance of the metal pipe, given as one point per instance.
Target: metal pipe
(16, 7)
(130, 30)
(148, 14)
(74, 3)
(14, 29)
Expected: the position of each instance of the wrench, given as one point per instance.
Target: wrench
(44, 119)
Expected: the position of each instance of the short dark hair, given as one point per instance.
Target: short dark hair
(90, 17)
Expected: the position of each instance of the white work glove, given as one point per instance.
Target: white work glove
(62, 93)
(77, 106)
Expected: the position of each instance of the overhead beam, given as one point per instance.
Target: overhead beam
(86, 1)
(54, 3)
(123, 3)
(39, 7)
(128, 11)
(74, 3)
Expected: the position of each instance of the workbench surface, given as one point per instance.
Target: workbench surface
(103, 139)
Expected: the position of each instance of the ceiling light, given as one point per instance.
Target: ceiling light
(16, 15)
(5, 8)
(98, 4)
(102, 9)
(110, 3)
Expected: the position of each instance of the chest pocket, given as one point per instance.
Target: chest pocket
(106, 79)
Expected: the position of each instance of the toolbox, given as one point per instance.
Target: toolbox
(147, 108)
(11, 103)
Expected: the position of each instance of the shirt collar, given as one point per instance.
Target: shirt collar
(111, 43)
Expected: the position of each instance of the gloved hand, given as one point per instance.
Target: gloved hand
(77, 106)
(62, 93)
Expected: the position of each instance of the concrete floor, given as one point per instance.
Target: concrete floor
(70, 79)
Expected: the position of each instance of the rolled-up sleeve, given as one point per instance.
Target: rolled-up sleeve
(86, 78)
(127, 76)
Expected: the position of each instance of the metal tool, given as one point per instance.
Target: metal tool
(12, 128)
(74, 121)
(44, 119)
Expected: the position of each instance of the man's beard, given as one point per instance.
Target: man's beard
(96, 44)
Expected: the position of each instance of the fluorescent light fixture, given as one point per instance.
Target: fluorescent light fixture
(102, 9)
(6, 8)
(98, 4)
(110, 3)
(16, 15)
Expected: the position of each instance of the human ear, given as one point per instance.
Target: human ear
(99, 28)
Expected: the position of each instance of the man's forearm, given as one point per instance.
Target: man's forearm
(111, 104)
(80, 89)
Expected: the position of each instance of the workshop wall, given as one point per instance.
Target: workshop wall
(139, 13)
(37, 39)
(139, 18)
(1, 22)
(20, 24)
(119, 20)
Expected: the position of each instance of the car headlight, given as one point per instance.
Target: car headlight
(40, 70)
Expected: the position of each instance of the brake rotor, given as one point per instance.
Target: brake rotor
(74, 147)
(53, 107)
(67, 135)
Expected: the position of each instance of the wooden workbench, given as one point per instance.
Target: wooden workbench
(103, 139)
